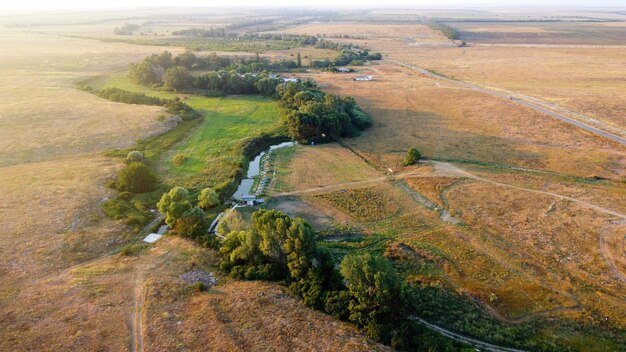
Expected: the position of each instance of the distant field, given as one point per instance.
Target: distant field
(569, 33)
(367, 31)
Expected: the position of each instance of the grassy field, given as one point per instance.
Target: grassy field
(209, 150)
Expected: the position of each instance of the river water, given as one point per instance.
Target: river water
(254, 169)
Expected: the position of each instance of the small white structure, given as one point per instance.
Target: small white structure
(290, 79)
(250, 200)
(343, 69)
(364, 78)
(153, 237)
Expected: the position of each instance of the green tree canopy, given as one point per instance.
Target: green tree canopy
(191, 224)
(177, 78)
(208, 199)
(412, 156)
(136, 177)
(375, 288)
(174, 204)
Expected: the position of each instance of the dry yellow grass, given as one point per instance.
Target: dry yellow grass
(445, 122)
(52, 179)
(393, 32)
(321, 165)
(243, 316)
(585, 80)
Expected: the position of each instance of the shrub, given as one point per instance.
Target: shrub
(179, 159)
(136, 177)
(208, 199)
(135, 155)
(412, 156)
(132, 249)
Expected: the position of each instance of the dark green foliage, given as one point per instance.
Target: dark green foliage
(191, 224)
(174, 106)
(177, 78)
(124, 96)
(180, 109)
(278, 247)
(446, 30)
(150, 71)
(313, 115)
(348, 54)
(136, 177)
(412, 156)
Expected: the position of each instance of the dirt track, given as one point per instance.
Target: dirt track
(534, 103)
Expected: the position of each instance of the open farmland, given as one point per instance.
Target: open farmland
(412, 110)
(510, 230)
(556, 33)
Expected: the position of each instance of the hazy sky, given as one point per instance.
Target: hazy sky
(35, 5)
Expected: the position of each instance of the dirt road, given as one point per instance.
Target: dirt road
(464, 339)
(535, 104)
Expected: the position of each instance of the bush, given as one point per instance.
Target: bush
(412, 156)
(136, 177)
(135, 155)
(179, 159)
(132, 249)
(208, 199)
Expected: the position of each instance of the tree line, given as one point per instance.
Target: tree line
(446, 30)
(173, 106)
(310, 114)
(365, 290)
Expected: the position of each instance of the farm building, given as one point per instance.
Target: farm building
(290, 79)
(364, 78)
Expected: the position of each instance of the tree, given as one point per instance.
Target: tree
(174, 204)
(208, 199)
(298, 60)
(267, 86)
(135, 155)
(177, 78)
(191, 224)
(136, 177)
(412, 156)
(375, 288)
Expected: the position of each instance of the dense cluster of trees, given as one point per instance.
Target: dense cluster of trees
(310, 114)
(313, 115)
(173, 106)
(127, 29)
(186, 219)
(227, 75)
(212, 32)
(446, 30)
(366, 291)
(347, 56)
